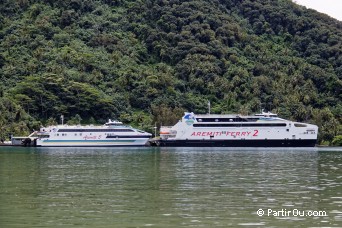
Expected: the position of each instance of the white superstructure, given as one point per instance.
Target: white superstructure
(264, 130)
(113, 133)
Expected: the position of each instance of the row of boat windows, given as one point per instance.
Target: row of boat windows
(95, 130)
(108, 136)
(243, 125)
(236, 119)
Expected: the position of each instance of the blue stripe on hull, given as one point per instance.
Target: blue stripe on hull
(238, 143)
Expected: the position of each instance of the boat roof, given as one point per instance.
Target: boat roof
(115, 122)
(234, 115)
(109, 124)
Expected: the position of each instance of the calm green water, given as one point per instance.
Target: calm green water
(170, 187)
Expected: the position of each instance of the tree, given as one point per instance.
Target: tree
(76, 120)
(337, 141)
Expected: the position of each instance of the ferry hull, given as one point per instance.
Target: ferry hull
(238, 143)
(91, 143)
(112, 134)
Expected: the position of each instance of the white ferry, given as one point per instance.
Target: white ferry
(259, 130)
(113, 133)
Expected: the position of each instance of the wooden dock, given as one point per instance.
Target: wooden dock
(25, 141)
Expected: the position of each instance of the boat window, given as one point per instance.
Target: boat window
(299, 125)
(95, 130)
(114, 124)
(241, 125)
(227, 119)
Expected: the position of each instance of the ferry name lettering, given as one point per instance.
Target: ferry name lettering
(238, 133)
(256, 132)
(204, 133)
(89, 137)
(227, 133)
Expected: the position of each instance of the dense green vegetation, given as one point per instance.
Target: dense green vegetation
(147, 61)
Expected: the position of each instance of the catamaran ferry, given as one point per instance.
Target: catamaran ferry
(113, 133)
(260, 130)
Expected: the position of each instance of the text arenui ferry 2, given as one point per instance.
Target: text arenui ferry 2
(260, 130)
(113, 133)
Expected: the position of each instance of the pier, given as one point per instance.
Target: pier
(25, 141)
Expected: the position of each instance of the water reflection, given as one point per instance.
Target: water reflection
(167, 187)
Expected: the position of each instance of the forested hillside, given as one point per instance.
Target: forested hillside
(148, 61)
